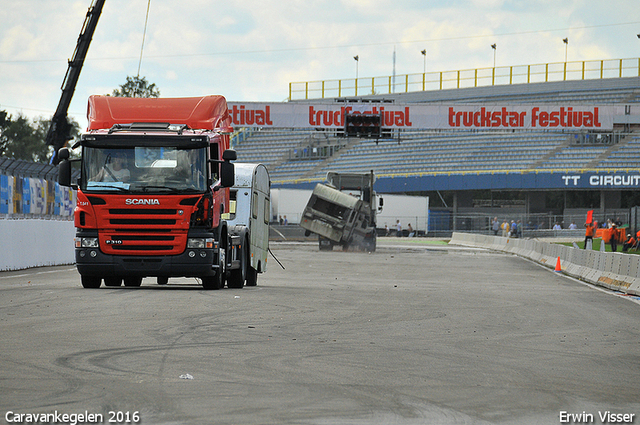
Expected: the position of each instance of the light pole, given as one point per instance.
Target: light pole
(357, 59)
(566, 47)
(493, 46)
(424, 69)
(493, 72)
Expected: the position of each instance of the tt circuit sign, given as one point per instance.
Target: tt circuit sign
(601, 181)
(427, 116)
(508, 181)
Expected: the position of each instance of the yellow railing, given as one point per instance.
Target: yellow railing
(502, 75)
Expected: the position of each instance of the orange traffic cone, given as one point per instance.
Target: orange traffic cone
(558, 267)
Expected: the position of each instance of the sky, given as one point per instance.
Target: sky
(250, 50)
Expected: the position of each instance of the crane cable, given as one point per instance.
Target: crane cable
(144, 34)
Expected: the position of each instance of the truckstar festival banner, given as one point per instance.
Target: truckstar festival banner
(427, 116)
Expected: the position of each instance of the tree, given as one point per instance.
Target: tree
(22, 139)
(5, 120)
(137, 87)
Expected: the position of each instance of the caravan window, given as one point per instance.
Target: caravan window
(254, 205)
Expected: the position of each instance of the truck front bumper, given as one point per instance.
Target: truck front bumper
(191, 263)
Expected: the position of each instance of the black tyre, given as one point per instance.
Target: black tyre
(113, 281)
(238, 276)
(217, 281)
(213, 282)
(252, 276)
(90, 281)
(132, 281)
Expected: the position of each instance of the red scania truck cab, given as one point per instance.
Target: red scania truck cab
(154, 183)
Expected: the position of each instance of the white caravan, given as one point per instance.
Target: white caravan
(248, 221)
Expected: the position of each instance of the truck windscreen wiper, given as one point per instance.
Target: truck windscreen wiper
(167, 188)
(106, 186)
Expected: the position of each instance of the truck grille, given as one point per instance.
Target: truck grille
(141, 221)
(144, 231)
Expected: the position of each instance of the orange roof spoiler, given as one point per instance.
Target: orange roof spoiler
(199, 113)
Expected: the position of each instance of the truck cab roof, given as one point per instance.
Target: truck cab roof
(198, 113)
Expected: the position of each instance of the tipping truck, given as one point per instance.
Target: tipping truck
(343, 212)
(155, 179)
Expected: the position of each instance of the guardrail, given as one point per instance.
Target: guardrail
(465, 78)
(612, 270)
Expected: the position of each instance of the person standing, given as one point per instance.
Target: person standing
(613, 237)
(588, 234)
(495, 226)
(505, 229)
(398, 229)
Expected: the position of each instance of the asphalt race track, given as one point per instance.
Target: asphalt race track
(415, 333)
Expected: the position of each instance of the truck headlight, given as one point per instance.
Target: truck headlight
(87, 243)
(200, 243)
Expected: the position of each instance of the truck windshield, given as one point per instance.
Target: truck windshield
(144, 169)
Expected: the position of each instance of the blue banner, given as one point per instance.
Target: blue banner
(509, 181)
(4, 194)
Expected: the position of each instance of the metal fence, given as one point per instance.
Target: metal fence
(443, 223)
(31, 190)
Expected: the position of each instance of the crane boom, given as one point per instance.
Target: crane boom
(60, 129)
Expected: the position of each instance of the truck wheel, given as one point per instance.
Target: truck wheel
(90, 281)
(213, 282)
(252, 276)
(237, 276)
(113, 281)
(217, 281)
(132, 281)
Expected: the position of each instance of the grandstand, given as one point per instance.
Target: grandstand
(469, 175)
(456, 163)
(426, 151)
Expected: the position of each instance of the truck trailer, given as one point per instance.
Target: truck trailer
(155, 179)
(248, 221)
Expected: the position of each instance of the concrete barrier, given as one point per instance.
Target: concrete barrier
(613, 270)
(30, 243)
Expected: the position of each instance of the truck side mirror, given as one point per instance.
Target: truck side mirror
(64, 167)
(380, 204)
(63, 153)
(229, 155)
(227, 174)
(227, 170)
